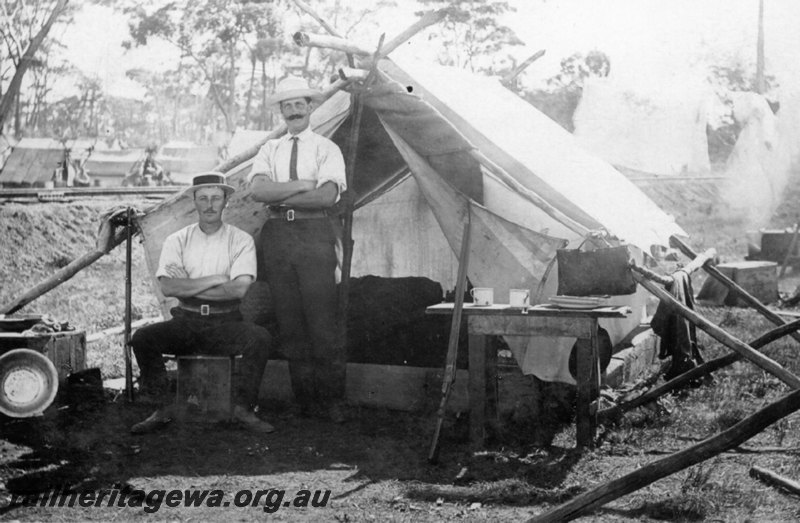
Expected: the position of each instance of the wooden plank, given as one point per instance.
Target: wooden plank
(478, 368)
(503, 309)
(730, 284)
(643, 476)
(530, 326)
(588, 384)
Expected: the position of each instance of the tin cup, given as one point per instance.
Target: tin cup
(519, 298)
(482, 296)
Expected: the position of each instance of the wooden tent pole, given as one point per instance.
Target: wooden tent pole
(751, 300)
(347, 233)
(357, 105)
(128, 304)
(507, 79)
(719, 334)
(726, 440)
(325, 25)
(340, 44)
(697, 372)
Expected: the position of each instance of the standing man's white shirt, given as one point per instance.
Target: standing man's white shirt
(229, 251)
(318, 159)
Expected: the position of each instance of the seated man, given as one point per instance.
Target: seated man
(208, 266)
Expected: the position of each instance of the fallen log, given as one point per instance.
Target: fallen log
(726, 440)
(697, 372)
(771, 478)
(719, 334)
(748, 298)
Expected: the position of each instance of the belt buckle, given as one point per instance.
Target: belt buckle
(205, 310)
(290, 215)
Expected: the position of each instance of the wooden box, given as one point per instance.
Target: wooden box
(67, 349)
(759, 278)
(205, 385)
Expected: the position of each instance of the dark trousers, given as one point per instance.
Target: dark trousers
(300, 264)
(189, 333)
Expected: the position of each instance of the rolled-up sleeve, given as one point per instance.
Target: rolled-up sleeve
(330, 165)
(261, 164)
(170, 255)
(243, 256)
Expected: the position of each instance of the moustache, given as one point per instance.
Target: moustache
(295, 117)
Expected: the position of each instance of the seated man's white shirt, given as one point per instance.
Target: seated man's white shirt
(318, 159)
(229, 251)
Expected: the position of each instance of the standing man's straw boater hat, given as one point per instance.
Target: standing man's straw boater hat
(211, 179)
(294, 87)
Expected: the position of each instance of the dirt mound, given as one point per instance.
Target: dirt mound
(39, 239)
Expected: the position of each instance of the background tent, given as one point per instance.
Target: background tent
(183, 160)
(433, 139)
(757, 169)
(656, 133)
(111, 167)
(32, 160)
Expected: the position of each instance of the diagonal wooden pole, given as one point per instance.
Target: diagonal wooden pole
(751, 300)
(357, 106)
(452, 344)
(726, 440)
(719, 334)
(698, 372)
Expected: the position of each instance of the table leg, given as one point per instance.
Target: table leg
(482, 388)
(588, 374)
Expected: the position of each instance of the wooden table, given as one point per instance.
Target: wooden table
(539, 320)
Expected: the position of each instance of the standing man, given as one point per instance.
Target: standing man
(300, 176)
(208, 266)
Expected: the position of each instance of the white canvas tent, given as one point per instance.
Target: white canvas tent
(436, 142)
(661, 133)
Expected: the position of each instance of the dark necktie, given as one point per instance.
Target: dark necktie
(293, 160)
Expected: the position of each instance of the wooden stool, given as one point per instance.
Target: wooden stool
(205, 387)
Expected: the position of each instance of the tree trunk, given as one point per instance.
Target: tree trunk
(16, 82)
(250, 92)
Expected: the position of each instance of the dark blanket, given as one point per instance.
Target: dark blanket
(678, 335)
(386, 321)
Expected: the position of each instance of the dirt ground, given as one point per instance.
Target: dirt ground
(375, 464)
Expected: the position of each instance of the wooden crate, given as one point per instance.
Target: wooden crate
(67, 350)
(205, 386)
(759, 278)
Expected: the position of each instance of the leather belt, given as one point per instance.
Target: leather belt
(289, 214)
(207, 309)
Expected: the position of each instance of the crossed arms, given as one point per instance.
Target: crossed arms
(217, 287)
(298, 193)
